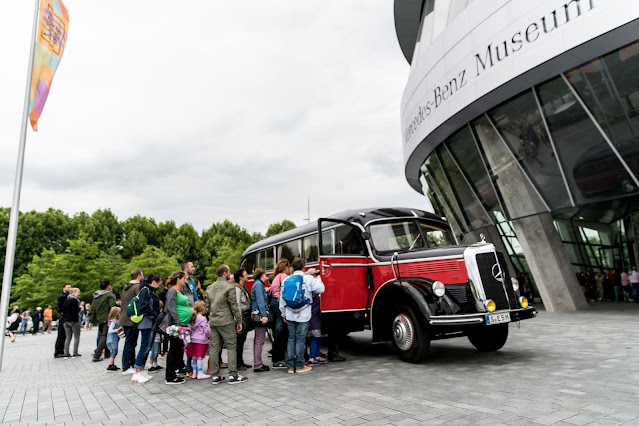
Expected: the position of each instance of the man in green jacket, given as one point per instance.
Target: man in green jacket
(103, 301)
(225, 319)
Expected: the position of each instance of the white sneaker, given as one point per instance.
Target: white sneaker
(128, 372)
(139, 378)
(145, 374)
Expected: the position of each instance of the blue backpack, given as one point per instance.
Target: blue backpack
(294, 293)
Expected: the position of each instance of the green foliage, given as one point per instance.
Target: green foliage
(152, 261)
(278, 228)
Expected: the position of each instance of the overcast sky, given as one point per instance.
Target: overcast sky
(200, 111)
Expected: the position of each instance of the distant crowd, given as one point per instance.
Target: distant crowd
(615, 285)
(189, 326)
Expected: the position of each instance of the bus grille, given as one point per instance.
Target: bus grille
(494, 288)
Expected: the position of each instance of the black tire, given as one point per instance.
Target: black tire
(490, 338)
(409, 335)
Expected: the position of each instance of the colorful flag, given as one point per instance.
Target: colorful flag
(53, 24)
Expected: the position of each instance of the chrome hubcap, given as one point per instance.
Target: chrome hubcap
(403, 332)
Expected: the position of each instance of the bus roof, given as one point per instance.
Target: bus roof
(361, 216)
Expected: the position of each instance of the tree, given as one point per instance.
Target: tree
(279, 227)
(139, 232)
(152, 261)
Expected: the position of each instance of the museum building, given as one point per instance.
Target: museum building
(520, 122)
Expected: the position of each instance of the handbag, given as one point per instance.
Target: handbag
(157, 325)
(257, 318)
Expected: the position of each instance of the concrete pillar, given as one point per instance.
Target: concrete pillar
(491, 233)
(549, 263)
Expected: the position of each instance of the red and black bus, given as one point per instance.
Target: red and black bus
(399, 272)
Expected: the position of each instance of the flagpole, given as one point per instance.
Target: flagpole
(17, 186)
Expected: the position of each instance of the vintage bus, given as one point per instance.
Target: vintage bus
(398, 272)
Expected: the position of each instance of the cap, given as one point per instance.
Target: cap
(312, 271)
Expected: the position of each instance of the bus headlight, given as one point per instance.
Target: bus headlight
(490, 305)
(523, 302)
(438, 288)
(515, 283)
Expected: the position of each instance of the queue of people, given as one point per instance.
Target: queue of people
(186, 325)
(616, 285)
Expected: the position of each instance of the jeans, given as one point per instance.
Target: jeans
(155, 349)
(176, 350)
(72, 329)
(316, 343)
(130, 342)
(635, 287)
(103, 328)
(23, 327)
(145, 347)
(296, 347)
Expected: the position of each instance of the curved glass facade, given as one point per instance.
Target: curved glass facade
(569, 145)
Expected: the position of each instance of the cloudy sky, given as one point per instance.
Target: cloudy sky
(200, 111)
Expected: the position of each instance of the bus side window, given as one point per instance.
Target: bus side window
(349, 241)
(289, 250)
(311, 250)
(266, 259)
(249, 263)
(328, 242)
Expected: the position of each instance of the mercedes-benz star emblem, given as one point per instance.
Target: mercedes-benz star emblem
(497, 274)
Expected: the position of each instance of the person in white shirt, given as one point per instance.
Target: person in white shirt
(298, 319)
(634, 280)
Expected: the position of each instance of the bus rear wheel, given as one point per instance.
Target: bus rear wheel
(409, 335)
(490, 338)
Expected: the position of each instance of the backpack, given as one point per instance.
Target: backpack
(294, 293)
(133, 311)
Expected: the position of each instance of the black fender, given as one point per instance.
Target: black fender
(416, 292)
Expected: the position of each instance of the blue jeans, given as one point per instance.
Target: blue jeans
(145, 347)
(296, 344)
(155, 349)
(130, 342)
(23, 327)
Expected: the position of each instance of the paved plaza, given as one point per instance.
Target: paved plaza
(560, 369)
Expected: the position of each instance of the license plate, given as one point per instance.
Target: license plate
(497, 318)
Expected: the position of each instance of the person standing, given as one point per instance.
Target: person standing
(240, 278)
(103, 301)
(59, 342)
(48, 317)
(225, 319)
(177, 312)
(634, 280)
(149, 306)
(36, 318)
(72, 322)
(625, 286)
(130, 290)
(259, 307)
(189, 289)
(26, 316)
(297, 319)
(14, 321)
(280, 332)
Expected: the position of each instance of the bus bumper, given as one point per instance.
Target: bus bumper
(480, 318)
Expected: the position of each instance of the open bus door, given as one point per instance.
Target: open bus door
(343, 261)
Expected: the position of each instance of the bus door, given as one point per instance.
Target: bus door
(343, 264)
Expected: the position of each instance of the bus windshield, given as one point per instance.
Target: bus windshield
(407, 236)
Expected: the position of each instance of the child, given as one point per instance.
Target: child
(113, 339)
(199, 345)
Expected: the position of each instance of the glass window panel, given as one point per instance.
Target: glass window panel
(266, 259)
(289, 250)
(437, 179)
(472, 207)
(443, 210)
(328, 242)
(463, 148)
(610, 89)
(249, 263)
(389, 237)
(311, 250)
(592, 169)
(436, 237)
(348, 240)
(520, 124)
(519, 196)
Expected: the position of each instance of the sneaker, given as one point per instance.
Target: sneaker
(76, 355)
(190, 374)
(313, 361)
(152, 369)
(128, 372)
(336, 358)
(237, 379)
(279, 365)
(139, 378)
(218, 379)
(158, 368)
(202, 376)
(112, 368)
(97, 359)
(305, 369)
(261, 369)
(321, 360)
(176, 381)
(146, 375)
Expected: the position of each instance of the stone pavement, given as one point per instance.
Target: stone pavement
(562, 369)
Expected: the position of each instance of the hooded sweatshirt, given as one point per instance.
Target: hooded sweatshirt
(130, 290)
(103, 301)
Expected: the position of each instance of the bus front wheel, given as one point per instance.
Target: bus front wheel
(490, 338)
(409, 335)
